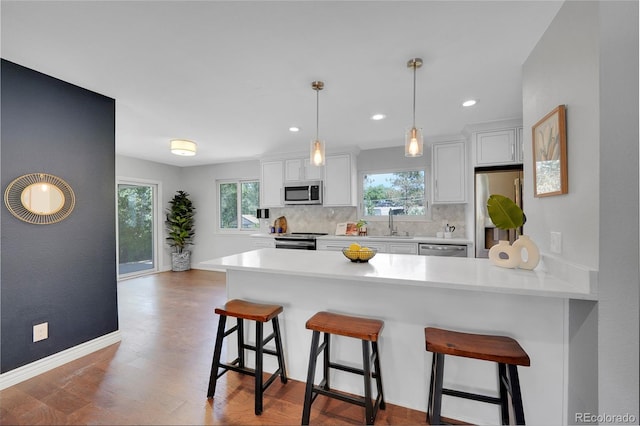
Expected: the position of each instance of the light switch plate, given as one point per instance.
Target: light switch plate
(555, 242)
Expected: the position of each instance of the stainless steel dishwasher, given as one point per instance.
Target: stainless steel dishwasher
(451, 250)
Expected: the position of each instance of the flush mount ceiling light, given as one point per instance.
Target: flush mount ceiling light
(317, 146)
(294, 129)
(183, 147)
(470, 102)
(413, 145)
(377, 117)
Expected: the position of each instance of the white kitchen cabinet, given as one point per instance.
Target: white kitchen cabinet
(271, 180)
(402, 248)
(331, 245)
(338, 245)
(340, 180)
(520, 145)
(449, 173)
(263, 242)
(496, 147)
(297, 169)
(380, 246)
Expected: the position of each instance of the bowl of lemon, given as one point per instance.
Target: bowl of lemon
(357, 253)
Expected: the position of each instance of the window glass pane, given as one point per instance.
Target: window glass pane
(135, 228)
(250, 203)
(228, 205)
(398, 193)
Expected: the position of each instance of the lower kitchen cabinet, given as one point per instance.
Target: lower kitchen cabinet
(262, 241)
(380, 246)
(402, 248)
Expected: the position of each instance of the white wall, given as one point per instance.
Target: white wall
(588, 60)
(619, 278)
(563, 69)
(200, 182)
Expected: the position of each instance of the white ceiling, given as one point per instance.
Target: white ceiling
(234, 76)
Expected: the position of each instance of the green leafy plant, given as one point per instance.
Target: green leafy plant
(180, 222)
(504, 213)
(361, 223)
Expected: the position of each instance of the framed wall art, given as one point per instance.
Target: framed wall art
(549, 141)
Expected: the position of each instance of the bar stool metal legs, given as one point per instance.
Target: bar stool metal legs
(260, 314)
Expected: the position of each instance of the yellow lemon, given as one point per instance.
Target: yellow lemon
(354, 247)
(365, 250)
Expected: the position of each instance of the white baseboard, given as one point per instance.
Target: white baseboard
(43, 365)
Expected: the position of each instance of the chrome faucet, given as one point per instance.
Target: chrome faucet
(391, 230)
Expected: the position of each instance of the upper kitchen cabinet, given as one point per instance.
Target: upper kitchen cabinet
(271, 180)
(340, 188)
(496, 143)
(520, 145)
(297, 169)
(448, 185)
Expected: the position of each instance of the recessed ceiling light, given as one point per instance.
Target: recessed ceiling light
(377, 117)
(294, 129)
(470, 102)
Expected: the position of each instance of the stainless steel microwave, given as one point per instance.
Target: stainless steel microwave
(307, 192)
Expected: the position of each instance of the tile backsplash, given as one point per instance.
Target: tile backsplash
(325, 219)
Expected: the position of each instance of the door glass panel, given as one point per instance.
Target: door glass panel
(135, 229)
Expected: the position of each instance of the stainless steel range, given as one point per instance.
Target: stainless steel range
(298, 240)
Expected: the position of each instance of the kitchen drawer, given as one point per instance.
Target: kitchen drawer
(402, 248)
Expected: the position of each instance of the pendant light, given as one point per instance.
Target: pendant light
(413, 145)
(317, 146)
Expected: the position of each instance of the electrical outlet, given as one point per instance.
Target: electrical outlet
(555, 242)
(40, 331)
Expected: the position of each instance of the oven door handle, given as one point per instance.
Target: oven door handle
(293, 244)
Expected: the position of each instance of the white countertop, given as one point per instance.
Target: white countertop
(456, 273)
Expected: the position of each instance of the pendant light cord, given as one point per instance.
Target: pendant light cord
(318, 112)
(414, 95)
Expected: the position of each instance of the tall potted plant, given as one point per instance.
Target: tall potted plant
(180, 230)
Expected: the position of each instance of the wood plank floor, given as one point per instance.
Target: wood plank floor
(159, 372)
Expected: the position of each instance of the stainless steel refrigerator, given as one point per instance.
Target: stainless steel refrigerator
(505, 181)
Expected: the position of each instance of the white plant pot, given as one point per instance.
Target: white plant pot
(181, 261)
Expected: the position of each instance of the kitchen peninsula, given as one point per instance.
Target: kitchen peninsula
(409, 293)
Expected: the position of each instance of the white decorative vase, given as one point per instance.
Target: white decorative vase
(181, 261)
(511, 256)
(524, 243)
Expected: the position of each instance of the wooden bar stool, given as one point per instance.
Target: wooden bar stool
(260, 313)
(505, 351)
(364, 329)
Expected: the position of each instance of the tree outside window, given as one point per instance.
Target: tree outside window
(239, 201)
(396, 193)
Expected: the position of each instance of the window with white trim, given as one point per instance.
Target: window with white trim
(237, 203)
(397, 193)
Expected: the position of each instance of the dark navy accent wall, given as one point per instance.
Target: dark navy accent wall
(64, 273)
